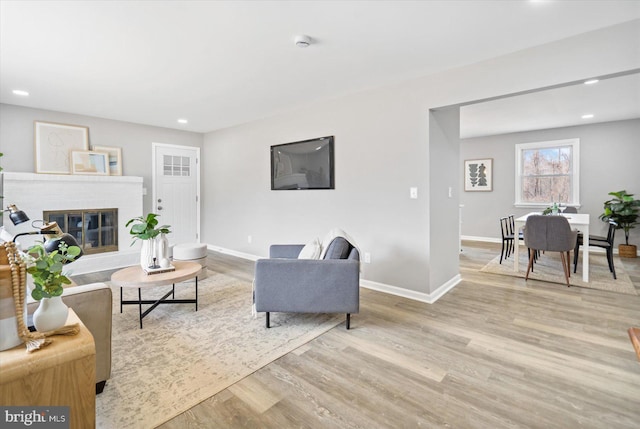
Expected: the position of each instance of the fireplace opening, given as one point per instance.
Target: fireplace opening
(96, 230)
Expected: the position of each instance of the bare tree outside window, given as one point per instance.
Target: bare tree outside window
(547, 173)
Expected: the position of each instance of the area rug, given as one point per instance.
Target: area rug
(548, 268)
(182, 357)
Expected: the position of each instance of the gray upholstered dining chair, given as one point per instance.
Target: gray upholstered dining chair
(570, 209)
(552, 234)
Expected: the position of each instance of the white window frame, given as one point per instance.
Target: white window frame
(575, 173)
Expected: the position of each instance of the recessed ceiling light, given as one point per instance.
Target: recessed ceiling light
(587, 116)
(20, 92)
(183, 121)
(591, 81)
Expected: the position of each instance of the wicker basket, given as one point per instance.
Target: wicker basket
(628, 251)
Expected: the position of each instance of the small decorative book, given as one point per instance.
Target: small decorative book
(159, 269)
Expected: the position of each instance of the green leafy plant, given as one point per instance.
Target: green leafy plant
(46, 269)
(624, 210)
(144, 228)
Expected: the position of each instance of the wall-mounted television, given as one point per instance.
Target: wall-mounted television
(306, 164)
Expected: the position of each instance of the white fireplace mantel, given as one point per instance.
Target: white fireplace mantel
(34, 193)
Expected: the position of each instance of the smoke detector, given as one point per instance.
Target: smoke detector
(302, 41)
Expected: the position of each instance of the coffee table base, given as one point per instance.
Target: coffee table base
(157, 302)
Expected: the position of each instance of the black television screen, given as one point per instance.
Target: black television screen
(306, 164)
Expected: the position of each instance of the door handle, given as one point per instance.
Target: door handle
(159, 207)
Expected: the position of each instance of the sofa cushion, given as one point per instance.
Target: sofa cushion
(338, 249)
(311, 250)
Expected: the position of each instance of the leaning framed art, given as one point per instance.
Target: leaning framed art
(89, 162)
(54, 143)
(115, 158)
(478, 174)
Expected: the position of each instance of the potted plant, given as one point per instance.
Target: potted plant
(46, 271)
(147, 230)
(624, 210)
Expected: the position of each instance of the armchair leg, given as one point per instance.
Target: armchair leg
(348, 320)
(268, 320)
(100, 386)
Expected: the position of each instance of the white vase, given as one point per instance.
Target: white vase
(147, 253)
(51, 314)
(162, 248)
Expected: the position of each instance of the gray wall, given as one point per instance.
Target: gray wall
(383, 148)
(17, 144)
(609, 155)
(444, 132)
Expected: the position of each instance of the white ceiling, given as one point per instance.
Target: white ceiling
(613, 99)
(222, 63)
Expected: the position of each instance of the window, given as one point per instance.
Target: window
(176, 166)
(548, 172)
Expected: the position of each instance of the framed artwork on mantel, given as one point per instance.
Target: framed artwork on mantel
(54, 143)
(115, 158)
(89, 162)
(478, 175)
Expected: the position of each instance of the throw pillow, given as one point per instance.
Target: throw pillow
(311, 250)
(338, 249)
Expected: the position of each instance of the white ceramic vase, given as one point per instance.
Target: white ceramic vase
(51, 314)
(162, 251)
(147, 253)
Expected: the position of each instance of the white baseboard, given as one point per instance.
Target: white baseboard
(369, 284)
(483, 239)
(233, 252)
(429, 298)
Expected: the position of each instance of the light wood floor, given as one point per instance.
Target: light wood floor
(494, 352)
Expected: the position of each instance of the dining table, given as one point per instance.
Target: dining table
(579, 221)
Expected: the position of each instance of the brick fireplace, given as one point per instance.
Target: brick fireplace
(39, 193)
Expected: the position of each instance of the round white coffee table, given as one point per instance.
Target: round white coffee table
(136, 277)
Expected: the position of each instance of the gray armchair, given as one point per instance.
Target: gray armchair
(284, 283)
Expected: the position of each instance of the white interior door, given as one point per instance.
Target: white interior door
(176, 190)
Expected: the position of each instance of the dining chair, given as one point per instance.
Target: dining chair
(507, 238)
(508, 230)
(570, 209)
(599, 241)
(552, 234)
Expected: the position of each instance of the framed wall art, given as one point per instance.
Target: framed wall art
(478, 174)
(115, 158)
(89, 162)
(54, 143)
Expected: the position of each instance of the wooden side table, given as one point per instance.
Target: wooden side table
(61, 374)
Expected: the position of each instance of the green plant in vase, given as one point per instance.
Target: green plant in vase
(146, 228)
(624, 210)
(46, 269)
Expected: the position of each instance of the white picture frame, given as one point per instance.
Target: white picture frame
(115, 158)
(53, 145)
(478, 175)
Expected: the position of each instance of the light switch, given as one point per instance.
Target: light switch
(413, 193)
